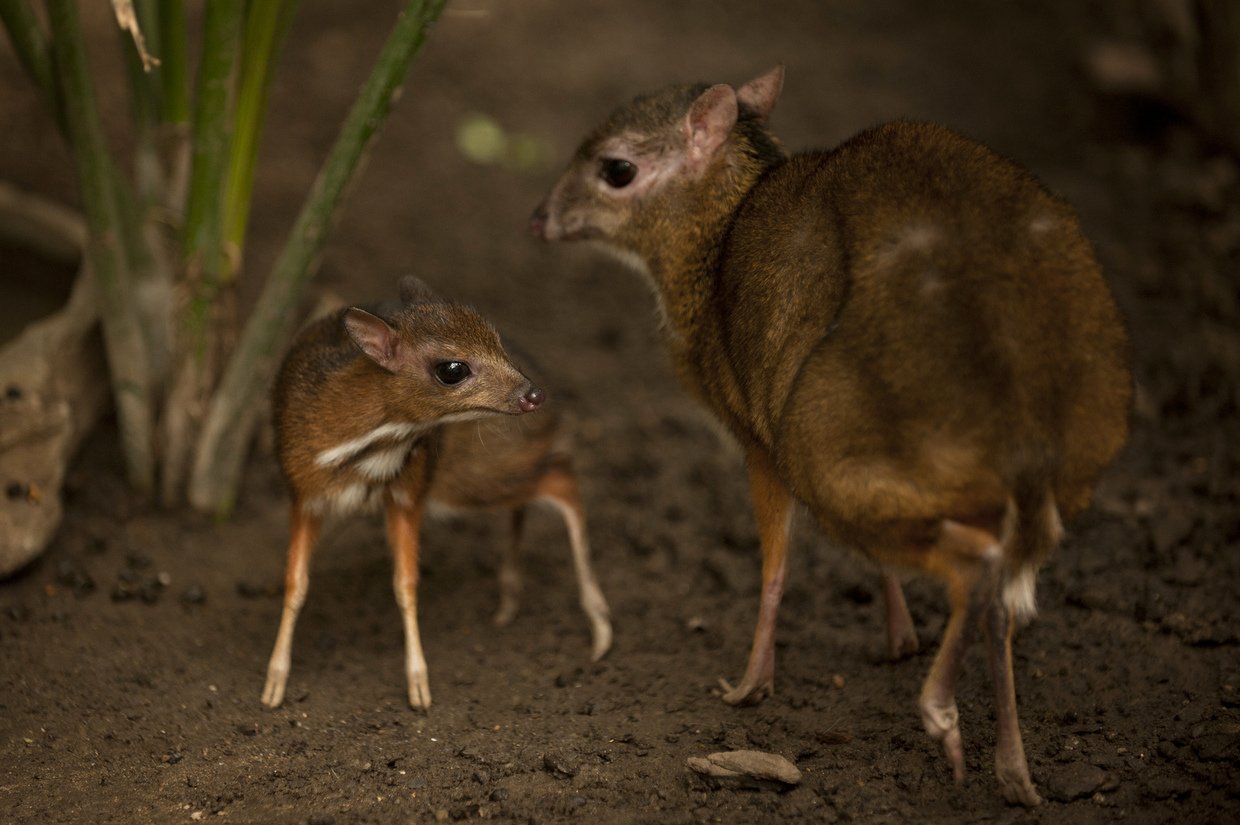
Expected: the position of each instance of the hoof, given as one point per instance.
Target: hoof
(902, 647)
(273, 690)
(1018, 789)
(419, 694)
(746, 694)
(506, 613)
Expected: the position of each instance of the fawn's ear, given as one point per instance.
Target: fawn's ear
(414, 290)
(708, 124)
(761, 93)
(378, 341)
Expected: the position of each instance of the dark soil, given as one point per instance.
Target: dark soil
(133, 654)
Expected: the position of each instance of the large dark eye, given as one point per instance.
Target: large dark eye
(451, 372)
(617, 173)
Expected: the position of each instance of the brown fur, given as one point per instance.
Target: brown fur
(881, 317)
(907, 332)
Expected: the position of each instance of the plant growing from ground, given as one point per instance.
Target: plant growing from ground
(166, 242)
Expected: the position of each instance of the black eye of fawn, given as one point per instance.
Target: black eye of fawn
(617, 173)
(451, 372)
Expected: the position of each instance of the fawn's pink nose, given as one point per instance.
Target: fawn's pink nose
(538, 222)
(532, 400)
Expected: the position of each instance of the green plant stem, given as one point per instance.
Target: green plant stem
(30, 43)
(174, 104)
(127, 356)
(198, 307)
(203, 213)
(173, 65)
(265, 27)
(144, 94)
(148, 21)
(230, 420)
(143, 86)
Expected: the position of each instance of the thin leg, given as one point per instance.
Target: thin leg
(510, 573)
(956, 558)
(559, 486)
(303, 530)
(773, 508)
(901, 634)
(402, 526)
(1010, 766)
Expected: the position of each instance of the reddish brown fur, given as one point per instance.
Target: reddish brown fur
(362, 419)
(328, 392)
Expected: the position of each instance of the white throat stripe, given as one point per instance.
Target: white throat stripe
(390, 431)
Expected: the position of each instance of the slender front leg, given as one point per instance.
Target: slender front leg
(1010, 766)
(901, 634)
(559, 486)
(303, 530)
(403, 522)
(773, 509)
(510, 572)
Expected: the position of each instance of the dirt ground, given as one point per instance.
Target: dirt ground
(133, 654)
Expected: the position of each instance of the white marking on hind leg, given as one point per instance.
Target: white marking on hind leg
(1020, 595)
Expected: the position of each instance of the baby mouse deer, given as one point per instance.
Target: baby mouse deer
(907, 333)
(400, 406)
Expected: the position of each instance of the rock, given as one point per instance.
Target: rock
(561, 765)
(1170, 786)
(194, 594)
(1217, 742)
(56, 387)
(1066, 783)
(70, 575)
(754, 764)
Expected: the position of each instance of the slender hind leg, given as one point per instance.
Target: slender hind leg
(403, 522)
(303, 530)
(901, 634)
(956, 558)
(510, 572)
(971, 562)
(559, 487)
(773, 509)
(1011, 769)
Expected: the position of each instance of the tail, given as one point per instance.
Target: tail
(1031, 531)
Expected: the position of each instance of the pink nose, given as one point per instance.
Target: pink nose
(538, 222)
(532, 400)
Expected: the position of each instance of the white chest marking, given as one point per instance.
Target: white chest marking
(343, 452)
(351, 498)
(382, 465)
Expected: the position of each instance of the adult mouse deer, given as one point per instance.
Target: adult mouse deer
(401, 405)
(906, 333)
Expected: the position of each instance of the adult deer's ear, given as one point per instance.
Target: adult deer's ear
(374, 337)
(761, 93)
(708, 123)
(414, 290)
